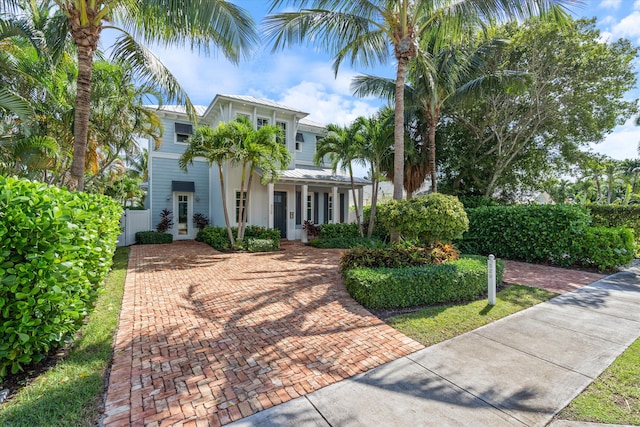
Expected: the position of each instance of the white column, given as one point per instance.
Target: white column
(305, 194)
(336, 204)
(270, 195)
(361, 202)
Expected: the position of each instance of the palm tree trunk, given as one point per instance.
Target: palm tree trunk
(81, 115)
(245, 214)
(355, 203)
(398, 131)
(432, 152)
(242, 199)
(224, 205)
(374, 204)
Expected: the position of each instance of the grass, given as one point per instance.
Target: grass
(70, 394)
(614, 397)
(435, 324)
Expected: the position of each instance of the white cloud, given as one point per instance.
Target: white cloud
(610, 4)
(622, 143)
(629, 26)
(608, 20)
(636, 5)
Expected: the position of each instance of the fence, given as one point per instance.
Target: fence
(131, 222)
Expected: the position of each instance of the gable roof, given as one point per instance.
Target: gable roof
(257, 102)
(179, 109)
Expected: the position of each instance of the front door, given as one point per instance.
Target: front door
(182, 218)
(280, 212)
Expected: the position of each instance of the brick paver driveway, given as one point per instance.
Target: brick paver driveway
(206, 338)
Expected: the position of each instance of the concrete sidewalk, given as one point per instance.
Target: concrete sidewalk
(520, 370)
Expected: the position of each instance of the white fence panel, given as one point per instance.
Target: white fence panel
(131, 222)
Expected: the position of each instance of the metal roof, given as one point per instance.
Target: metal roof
(319, 175)
(259, 101)
(180, 109)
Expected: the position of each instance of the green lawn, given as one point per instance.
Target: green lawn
(70, 394)
(614, 397)
(435, 324)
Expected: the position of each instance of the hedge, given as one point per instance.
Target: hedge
(543, 233)
(617, 216)
(153, 237)
(346, 242)
(56, 248)
(605, 248)
(461, 280)
(218, 238)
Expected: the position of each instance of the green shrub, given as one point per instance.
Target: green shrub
(544, 233)
(428, 219)
(345, 230)
(56, 248)
(346, 242)
(153, 237)
(379, 229)
(605, 248)
(216, 237)
(397, 256)
(617, 216)
(261, 245)
(461, 280)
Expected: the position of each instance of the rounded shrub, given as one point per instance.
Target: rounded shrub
(429, 219)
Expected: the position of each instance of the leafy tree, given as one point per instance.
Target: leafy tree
(514, 136)
(341, 146)
(368, 32)
(196, 23)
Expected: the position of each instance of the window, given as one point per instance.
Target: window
(261, 121)
(183, 132)
(283, 126)
(298, 207)
(330, 207)
(310, 206)
(299, 141)
(244, 205)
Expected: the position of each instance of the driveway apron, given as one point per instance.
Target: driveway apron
(206, 338)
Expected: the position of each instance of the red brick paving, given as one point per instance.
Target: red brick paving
(554, 279)
(206, 338)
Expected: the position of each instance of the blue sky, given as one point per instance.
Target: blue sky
(303, 78)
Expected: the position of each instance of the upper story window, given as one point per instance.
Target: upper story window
(299, 141)
(283, 126)
(261, 121)
(183, 132)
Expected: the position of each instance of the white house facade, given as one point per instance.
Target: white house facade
(303, 191)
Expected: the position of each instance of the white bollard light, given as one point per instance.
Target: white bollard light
(491, 268)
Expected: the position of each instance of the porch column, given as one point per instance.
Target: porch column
(336, 204)
(303, 217)
(270, 195)
(361, 202)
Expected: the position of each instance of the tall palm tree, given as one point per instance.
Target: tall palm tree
(194, 23)
(341, 146)
(210, 144)
(377, 142)
(367, 32)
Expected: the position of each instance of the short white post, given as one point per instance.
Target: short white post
(491, 269)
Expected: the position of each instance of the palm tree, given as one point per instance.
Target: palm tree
(252, 150)
(341, 146)
(377, 142)
(210, 144)
(366, 31)
(196, 23)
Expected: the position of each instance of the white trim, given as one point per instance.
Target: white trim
(190, 197)
(175, 156)
(270, 191)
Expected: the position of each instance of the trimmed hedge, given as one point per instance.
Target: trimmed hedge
(543, 233)
(397, 256)
(461, 280)
(339, 230)
(346, 242)
(217, 237)
(153, 237)
(605, 248)
(617, 216)
(56, 248)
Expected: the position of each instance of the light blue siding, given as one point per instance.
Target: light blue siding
(168, 138)
(308, 148)
(163, 171)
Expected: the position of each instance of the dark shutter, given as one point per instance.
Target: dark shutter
(298, 208)
(315, 208)
(183, 186)
(299, 137)
(342, 207)
(326, 208)
(184, 128)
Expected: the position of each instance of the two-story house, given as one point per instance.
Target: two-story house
(303, 191)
